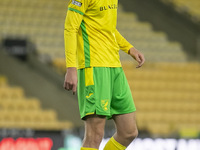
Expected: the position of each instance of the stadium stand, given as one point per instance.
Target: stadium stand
(191, 7)
(150, 42)
(45, 28)
(166, 95)
(18, 111)
(165, 90)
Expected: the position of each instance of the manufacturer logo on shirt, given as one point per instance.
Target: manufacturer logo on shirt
(79, 4)
(89, 95)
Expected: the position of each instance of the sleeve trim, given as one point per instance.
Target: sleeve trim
(72, 9)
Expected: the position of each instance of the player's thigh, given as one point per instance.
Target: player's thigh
(126, 123)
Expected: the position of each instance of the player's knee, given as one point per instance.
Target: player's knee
(95, 137)
(130, 135)
(99, 133)
(94, 140)
(98, 138)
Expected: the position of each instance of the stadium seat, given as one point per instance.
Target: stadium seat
(158, 129)
(3, 81)
(43, 120)
(21, 104)
(18, 111)
(191, 7)
(11, 93)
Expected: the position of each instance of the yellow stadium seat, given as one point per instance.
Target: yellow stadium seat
(159, 129)
(21, 104)
(17, 111)
(165, 93)
(3, 81)
(11, 93)
(189, 133)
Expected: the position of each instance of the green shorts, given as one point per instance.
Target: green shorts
(104, 91)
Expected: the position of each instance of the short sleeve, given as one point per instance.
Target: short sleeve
(79, 6)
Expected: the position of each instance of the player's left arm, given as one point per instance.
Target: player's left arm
(129, 49)
(138, 56)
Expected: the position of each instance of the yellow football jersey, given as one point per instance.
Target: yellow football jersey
(91, 37)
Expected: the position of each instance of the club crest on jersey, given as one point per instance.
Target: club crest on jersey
(79, 4)
(104, 104)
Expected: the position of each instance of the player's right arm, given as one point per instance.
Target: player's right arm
(72, 24)
(74, 17)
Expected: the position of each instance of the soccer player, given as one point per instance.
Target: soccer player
(92, 45)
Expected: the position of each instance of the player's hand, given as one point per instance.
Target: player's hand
(71, 80)
(138, 56)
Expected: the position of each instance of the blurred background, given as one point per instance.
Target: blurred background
(37, 113)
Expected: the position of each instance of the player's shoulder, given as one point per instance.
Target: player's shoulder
(80, 2)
